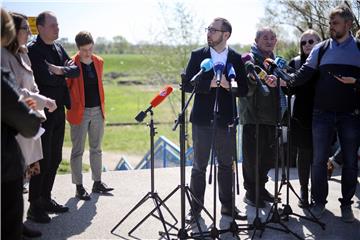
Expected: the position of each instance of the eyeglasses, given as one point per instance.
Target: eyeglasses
(212, 30)
(303, 43)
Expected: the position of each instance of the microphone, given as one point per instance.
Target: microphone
(246, 57)
(154, 102)
(205, 66)
(218, 69)
(232, 75)
(250, 68)
(281, 62)
(271, 66)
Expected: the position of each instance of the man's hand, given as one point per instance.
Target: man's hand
(30, 102)
(223, 82)
(57, 70)
(271, 80)
(346, 80)
(69, 62)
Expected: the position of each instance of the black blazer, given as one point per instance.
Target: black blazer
(202, 112)
(51, 85)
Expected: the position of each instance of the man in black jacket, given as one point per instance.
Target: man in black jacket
(51, 65)
(202, 115)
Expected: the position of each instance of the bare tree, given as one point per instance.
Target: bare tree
(305, 14)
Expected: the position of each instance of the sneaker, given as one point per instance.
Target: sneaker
(191, 217)
(81, 193)
(37, 214)
(100, 187)
(250, 200)
(347, 214)
(53, 207)
(238, 215)
(30, 233)
(317, 210)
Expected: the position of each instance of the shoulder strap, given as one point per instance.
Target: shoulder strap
(324, 46)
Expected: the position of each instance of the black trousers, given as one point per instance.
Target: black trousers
(12, 208)
(52, 143)
(266, 155)
(225, 143)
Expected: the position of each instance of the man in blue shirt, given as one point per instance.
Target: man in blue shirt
(336, 108)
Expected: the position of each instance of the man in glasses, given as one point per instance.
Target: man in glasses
(336, 108)
(202, 116)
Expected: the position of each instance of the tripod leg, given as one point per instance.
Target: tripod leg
(192, 207)
(144, 199)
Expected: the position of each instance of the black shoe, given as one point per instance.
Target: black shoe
(30, 233)
(250, 200)
(37, 214)
(53, 207)
(304, 195)
(238, 215)
(100, 187)
(266, 196)
(190, 217)
(81, 193)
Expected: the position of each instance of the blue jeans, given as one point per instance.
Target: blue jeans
(325, 125)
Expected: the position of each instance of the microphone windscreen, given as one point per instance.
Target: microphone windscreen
(161, 96)
(206, 64)
(231, 71)
(260, 72)
(280, 62)
(219, 66)
(246, 57)
(249, 66)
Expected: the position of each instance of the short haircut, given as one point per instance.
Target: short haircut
(83, 38)
(7, 28)
(262, 30)
(40, 19)
(343, 11)
(226, 25)
(18, 18)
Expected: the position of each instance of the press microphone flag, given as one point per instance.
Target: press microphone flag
(218, 69)
(205, 66)
(274, 68)
(246, 57)
(250, 68)
(154, 102)
(232, 75)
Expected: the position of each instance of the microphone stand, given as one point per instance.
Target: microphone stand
(286, 178)
(184, 188)
(274, 215)
(152, 194)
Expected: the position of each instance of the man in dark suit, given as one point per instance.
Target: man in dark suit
(202, 116)
(51, 65)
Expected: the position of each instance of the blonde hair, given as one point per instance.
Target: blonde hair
(8, 32)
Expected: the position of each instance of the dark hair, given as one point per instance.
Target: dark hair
(343, 11)
(226, 25)
(40, 19)
(83, 38)
(18, 18)
(7, 28)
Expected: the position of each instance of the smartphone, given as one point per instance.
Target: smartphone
(334, 75)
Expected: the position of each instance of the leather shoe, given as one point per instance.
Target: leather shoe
(190, 217)
(250, 200)
(37, 214)
(100, 187)
(53, 207)
(30, 233)
(238, 215)
(81, 193)
(266, 196)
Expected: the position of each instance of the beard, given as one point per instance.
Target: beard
(214, 43)
(337, 35)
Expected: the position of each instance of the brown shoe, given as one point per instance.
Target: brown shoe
(330, 168)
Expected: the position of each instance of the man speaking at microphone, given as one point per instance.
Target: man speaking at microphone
(258, 108)
(201, 116)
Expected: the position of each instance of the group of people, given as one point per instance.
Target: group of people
(325, 81)
(40, 80)
(41, 76)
